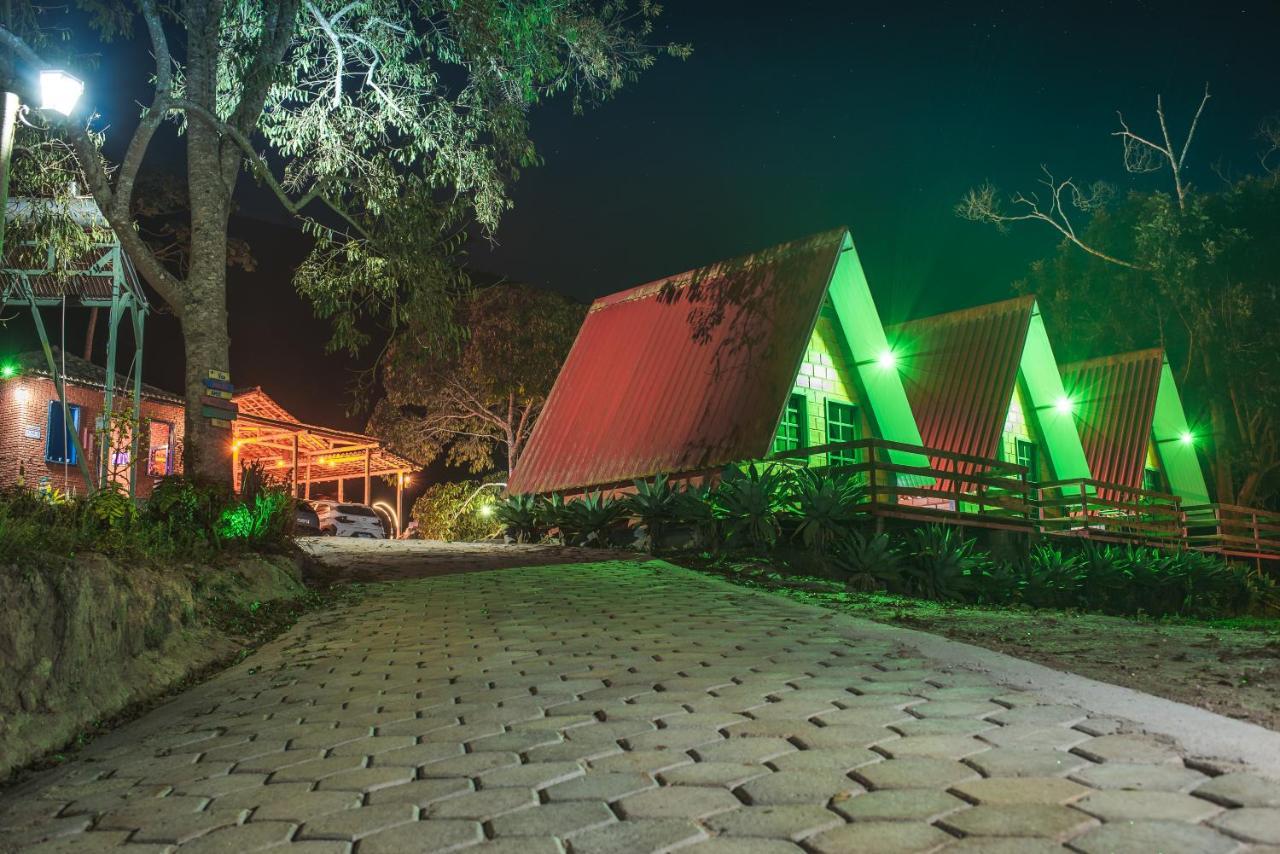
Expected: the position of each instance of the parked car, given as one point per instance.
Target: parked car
(306, 522)
(349, 520)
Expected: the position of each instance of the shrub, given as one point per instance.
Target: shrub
(749, 502)
(943, 565)
(1052, 578)
(867, 564)
(826, 505)
(653, 504)
(519, 513)
(456, 511)
(695, 506)
(587, 520)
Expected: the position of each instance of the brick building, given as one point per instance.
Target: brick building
(36, 450)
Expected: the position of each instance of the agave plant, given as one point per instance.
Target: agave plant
(519, 514)
(867, 564)
(588, 519)
(1053, 578)
(551, 513)
(696, 507)
(943, 565)
(1108, 581)
(826, 504)
(654, 504)
(750, 501)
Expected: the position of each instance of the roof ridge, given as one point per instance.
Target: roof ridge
(962, 314)
(682, 279)
(1127, 356)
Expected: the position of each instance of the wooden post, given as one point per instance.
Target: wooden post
(235, 463)
(341, 497)
(368, 459)
(399, 503)
(295, 465)
(307, 490)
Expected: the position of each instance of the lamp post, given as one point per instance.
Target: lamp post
(59, 92)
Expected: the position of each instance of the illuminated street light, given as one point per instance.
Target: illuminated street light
(59, 91)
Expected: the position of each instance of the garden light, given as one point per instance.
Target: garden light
(8, 371)
(1064, 405)
(887, 360)
(485, 510)
(1186, 438)
(59, 91)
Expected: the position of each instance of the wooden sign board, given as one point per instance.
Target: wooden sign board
(220, 423)
(232, 409)
(220, 375)
(219, 385)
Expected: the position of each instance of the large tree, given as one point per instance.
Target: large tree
(1195, 271)
(470, 402)
(387, 127)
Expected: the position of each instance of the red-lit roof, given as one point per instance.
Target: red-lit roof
(1115, 404)
(683, 374)
(959, 370)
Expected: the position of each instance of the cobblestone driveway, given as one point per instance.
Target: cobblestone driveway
(620, 707)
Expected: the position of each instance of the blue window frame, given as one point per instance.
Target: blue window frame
(58, 444)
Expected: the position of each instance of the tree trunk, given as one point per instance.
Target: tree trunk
(89, 334)
(1223, 482)
(203, 312)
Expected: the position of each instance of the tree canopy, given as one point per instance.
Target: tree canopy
(387, 128)
(1195, 271)
(469, 402)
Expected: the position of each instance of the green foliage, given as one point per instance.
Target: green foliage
(266, 520)
(653, 504)
(466, 402)
(587, 520)
(1053, 578)
(868, 564)
(695, 507)
(826, 504)
(457, 511)
(943, 565)
(749, 503)
(519, 513)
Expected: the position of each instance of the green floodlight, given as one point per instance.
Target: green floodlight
(887, 360)
(8, 371)
(1187, 438)
(1064, 405)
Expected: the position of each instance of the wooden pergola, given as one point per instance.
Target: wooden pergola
(305, 455)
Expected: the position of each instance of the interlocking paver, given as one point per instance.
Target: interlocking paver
(923, 805)
(1120, 805)
(1043, 821)
(1143, 837)
(1240, 790)
(792, 821)
(622, 707)
(883, 837)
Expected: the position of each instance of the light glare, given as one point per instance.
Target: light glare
(59, 91)
(1064, 405)
(887, 360)
(1186, 438)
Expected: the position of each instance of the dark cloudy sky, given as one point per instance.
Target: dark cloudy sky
(791, 118)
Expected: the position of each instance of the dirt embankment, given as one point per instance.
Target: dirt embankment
(82, 640)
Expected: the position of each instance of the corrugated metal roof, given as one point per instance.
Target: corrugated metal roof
(1115, 404)
(959, 370)
(33, 363)
(682, 374)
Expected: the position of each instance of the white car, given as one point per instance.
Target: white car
(349, 520)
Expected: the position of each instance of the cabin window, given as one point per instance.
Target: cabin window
(791, 431)
(58, 445)
(1025, 454)
(160, 453)
(1151, 480)
(842, 426)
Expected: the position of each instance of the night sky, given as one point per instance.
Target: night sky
(792, 118)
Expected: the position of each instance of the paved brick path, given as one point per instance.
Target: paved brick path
(620, 707)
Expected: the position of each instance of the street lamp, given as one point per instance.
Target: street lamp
(59, 92)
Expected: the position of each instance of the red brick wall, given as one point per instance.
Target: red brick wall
(24, 417)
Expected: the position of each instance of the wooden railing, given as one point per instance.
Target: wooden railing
(972, 490)
(1233, 530)
(949, 486)
(1095, 509)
